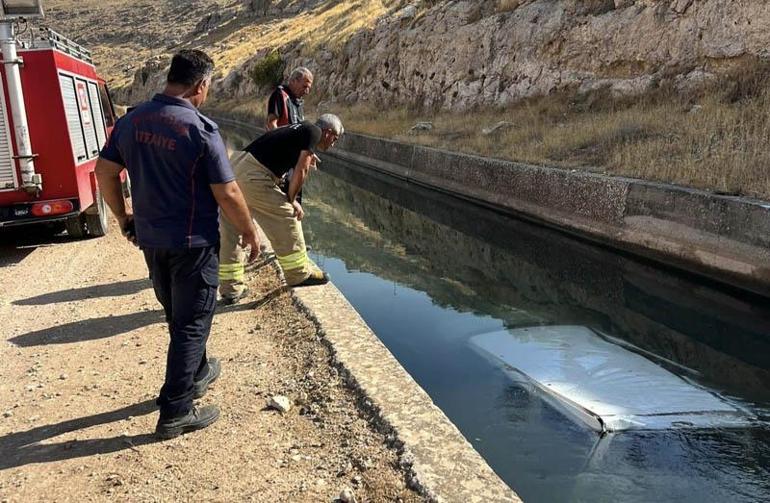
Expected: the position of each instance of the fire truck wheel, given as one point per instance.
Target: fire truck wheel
(75, 227)
(97, 222)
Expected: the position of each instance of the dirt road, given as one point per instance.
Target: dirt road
(83, 354)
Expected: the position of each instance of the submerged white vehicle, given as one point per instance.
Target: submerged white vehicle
(605, 383)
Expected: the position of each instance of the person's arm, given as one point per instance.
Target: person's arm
(275, 107)
(230, 199)
(108, 178)
(305, 162)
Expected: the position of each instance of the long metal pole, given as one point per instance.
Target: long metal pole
(30, 181)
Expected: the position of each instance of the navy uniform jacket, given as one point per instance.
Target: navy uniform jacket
(172, 153)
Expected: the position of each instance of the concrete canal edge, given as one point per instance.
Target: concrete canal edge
(441, 464)
(724, 238)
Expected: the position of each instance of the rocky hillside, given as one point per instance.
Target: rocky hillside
(447, 54)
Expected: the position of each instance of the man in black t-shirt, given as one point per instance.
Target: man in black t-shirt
(258, 170)
(280, 149)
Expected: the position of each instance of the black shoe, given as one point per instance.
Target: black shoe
(228, 300)
(200, 387)
(197, 419)
(315, 278)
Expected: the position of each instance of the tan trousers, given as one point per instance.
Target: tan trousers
(274, 215)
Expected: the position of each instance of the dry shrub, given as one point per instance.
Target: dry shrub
(507, 5)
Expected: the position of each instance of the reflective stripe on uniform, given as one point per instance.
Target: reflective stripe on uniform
(294, 260)
(231, 272)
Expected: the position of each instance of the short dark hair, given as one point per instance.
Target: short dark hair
(189, 66)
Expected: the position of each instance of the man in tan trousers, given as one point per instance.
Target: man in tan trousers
(258, 170)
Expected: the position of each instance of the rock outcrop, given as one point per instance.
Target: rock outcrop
(456, 55)
(463, 54)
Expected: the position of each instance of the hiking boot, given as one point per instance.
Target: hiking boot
(200, 387)
(197, 419)
(228, 300)
(315, 278)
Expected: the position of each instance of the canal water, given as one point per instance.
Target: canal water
(429, 273)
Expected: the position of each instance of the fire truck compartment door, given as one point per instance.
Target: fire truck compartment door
(96, 112)
(8, 178)
(72, 110)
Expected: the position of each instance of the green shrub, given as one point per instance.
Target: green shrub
(269, 70)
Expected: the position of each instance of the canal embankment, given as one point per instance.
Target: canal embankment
(725, 238)
(721, 237)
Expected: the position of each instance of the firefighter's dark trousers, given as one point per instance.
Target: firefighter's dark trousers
(185, 283)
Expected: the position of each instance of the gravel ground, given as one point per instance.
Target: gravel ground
(83, 352)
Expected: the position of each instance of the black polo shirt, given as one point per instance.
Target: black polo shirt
(278, 150)
(287, 107)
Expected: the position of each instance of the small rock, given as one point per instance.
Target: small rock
(279, 403)
(497, 128)
(320, 482)
(407, 13)
(347, 496)
(115, 479)
(357, 480)
(142, 362)
(63, 377)
(422, 126)
(7, 413)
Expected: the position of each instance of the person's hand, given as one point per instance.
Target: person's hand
(251, 239)
(298, 211)
(127, 228)
(314, 162)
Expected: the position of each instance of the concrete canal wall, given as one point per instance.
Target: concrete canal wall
(721, 237)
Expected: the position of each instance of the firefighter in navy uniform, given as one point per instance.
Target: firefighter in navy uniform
(259, 168)
(180, 178)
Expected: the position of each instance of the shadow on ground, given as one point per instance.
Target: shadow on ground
(107, 290)
(17, 243)
(89, 330)
(110, 326)
(26, 447)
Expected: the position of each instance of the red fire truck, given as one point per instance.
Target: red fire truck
(55, 115)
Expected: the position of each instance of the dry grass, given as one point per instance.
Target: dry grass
(714, 142)
(326, 27)
(718, 140)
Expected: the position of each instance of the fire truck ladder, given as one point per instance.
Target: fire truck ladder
(60, 42)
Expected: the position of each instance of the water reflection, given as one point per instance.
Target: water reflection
(470, 259)
(428, 273)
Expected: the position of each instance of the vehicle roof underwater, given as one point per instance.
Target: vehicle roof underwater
(609, 387)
